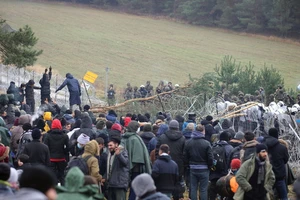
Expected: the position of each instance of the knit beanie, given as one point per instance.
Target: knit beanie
(83, 139)
(26, 126)
(239, 135)
(235, 163)
(4, 171)
(36, 134)
(224, 136)
(261, 147)
(13, 178)
(143, 184)
(40, 124)
(37, 177)
(117, 127)
(273, 132)
(174, 124)
(56, 124)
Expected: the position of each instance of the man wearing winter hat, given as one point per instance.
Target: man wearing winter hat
(237, 143)
(143, 186)
(255, 177)
(176, 141)
(58, 144)
(278, 157)
(218, 173)
(139, 161)
(38, 152)
(82, 140)
(36, 183)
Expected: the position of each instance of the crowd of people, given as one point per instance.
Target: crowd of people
(77, 155)
(60, 153)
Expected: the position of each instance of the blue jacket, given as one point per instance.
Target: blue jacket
(71, 83)
(165, 174)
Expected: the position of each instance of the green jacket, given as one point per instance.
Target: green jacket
(74, 188)
(137, 151)
(4, 133)
(244, 174)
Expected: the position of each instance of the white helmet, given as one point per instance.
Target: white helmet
(142, 86)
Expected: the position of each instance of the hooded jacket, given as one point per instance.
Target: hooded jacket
(38, 153)
(72, 84)
(17, 131)
(57, 142)
(248, 149)
(86, 127)
(45, 84)
(74, 188)
(12, 89)
(176, 142)
(198, 152)
(4, 133)
(92, 149)
(278, 155)
(146, 137)
(165, 174)
(27, 193)
(137, 150)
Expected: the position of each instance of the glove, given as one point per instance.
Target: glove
(50, 69)
(46, 70)
(56, 91)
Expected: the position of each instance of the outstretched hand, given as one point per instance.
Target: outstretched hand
(50, 68)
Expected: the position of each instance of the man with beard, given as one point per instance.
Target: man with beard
(255, 177)
(117, 174)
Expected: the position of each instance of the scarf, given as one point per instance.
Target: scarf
(261, 170)
(110, 161)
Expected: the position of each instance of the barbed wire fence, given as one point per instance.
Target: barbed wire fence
(22, 75)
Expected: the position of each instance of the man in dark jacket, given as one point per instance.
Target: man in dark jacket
(29, 94)
(165, 172)
(58, 144)
(147, 134)
(249, 147)
(279, 156)
(13, 89)
(38, 152)
(86, 128)
(215, 175)
(117, 174)
(45, 85)
(74, 90)
(209, 129)
(176, 141)
(198, 155)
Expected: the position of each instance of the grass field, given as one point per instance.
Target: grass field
(137, 49)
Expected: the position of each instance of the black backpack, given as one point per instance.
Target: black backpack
(219, 153)
(79, 162)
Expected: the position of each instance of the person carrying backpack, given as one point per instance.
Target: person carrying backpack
(25, 138)
(221, 152)
(91, 150)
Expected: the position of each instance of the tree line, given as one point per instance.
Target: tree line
(276, 17)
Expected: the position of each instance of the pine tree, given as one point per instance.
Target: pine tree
(16, 48)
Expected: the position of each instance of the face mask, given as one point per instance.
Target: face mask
(79, 146)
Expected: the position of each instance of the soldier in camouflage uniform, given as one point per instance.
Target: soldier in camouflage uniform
(128, 92)
(280, 93)
(149, 89)
(159, 89)
(136, 93)
(111, 95)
